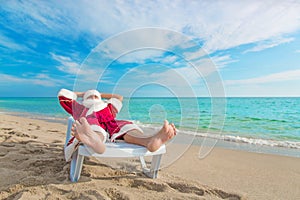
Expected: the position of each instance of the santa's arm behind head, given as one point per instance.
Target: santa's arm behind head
(67, 100)
(109, 96)
(79, 94)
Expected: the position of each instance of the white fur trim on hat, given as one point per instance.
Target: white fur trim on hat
(67, 93)
(90, 93)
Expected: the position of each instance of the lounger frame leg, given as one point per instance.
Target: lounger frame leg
(76, 166)
(155, 164)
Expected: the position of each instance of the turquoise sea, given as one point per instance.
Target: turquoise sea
(262, 121)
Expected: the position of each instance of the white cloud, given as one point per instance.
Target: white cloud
(222, 61)
(170, 80)
(279, 89)
(183, 79)
(290, 75)
(47, 18)
(169, 59)
(139, 56)
(141, 44)
(84, 74)
(248, 22)
(67, 64)
(269, 44)
(194, 54)
(220, 24)
(38, 79)
(8, 43)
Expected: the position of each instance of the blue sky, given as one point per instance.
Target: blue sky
(153, 48)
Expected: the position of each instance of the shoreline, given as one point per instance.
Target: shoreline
(255, 145)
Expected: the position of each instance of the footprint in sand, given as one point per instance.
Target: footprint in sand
(143, 184)
(87, 194)
(37, 127)
(22, 135)
(3, 154)
(50, 166)
(149, 185)
(6, 129)
(185, 188)
(12, 132)
(56, 141)
(113, 193)
(18, 134)
(6, 144)
(53, 131)
(225, 195)
(36, 151)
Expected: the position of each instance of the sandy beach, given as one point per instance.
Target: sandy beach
(33, 167)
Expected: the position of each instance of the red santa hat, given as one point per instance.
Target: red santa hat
(90, 93)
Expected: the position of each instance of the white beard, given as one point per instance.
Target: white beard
(92, 102)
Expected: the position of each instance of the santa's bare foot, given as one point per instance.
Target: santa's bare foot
(166, 133)
(83, 132)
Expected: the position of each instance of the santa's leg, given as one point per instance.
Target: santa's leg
(83, 132)
(154, 142)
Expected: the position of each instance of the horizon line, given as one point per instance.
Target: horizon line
(166, 97)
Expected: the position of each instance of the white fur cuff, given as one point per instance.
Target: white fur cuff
(67, 93)
(70, 149)
(116, 103)
(125, 129)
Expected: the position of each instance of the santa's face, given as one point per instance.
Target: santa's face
(93, 97)
(91, 101)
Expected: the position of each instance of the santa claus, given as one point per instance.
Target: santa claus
(101, 115)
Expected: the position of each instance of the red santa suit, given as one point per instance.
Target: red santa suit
(99, 114)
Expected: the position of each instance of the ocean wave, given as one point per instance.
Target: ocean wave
(253, 141)
(233, 138)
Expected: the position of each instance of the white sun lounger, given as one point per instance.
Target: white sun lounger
(114, 150)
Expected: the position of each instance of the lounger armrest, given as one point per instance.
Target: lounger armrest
(68, 134)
